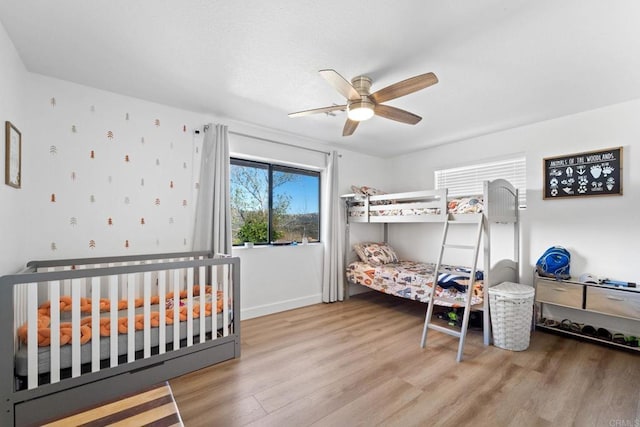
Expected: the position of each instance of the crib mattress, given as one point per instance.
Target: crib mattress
(410, 279)
(44, 353)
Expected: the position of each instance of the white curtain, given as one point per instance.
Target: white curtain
(333, 269)
(213, 212)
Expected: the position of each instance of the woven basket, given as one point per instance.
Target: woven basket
(511, 307)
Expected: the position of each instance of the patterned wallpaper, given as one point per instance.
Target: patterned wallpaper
(112, 180)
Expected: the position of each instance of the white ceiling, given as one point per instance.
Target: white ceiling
(501, 63)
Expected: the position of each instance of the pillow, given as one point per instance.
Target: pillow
(365, 190)
(375, 253)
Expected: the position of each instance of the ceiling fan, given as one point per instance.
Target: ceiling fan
(362, 105)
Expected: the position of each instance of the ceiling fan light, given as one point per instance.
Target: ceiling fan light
(360, 110)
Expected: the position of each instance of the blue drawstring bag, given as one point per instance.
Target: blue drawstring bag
(554, 262)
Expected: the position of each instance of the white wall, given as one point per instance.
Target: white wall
(106, 174)
(12, 109)
(600, 232)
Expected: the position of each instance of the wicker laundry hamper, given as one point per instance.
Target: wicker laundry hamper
(511, 306)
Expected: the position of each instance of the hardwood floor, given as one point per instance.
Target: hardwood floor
(359, 363)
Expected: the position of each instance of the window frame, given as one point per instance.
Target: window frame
(277, 167)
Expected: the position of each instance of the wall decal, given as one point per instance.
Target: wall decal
(184, 128)
(184, 203)
(157, 122)
(53, 150)
(126, 243)
(184, 242)
(73, 176)
(73, 221)
(157, 242)
(110, 134)
(142, 140)
(109, 221)
(92, 198)
(171, 220)
(197, 186)
(184, 165)
(142, 221)
(92, 108)
(54, 247)
(126, 116)
(53, 197)
(171, 145)
(92, 244)
(157, 201)
(157, 162)
(170, 184)
(74, 129)
(126, 158)
(92, 155)
(197, 150)
(52, 101)
(127, 200)
(110, 179)
(142, 182)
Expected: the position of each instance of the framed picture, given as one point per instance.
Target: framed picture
(13, 156)
(593, 173)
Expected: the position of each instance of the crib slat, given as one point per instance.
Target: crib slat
(162, 294)
(95, 324)
(147, 314)
(203, 301)
(131, 322)
(32, 335)
(75, 327)
(213, 270)
(189, 307)
(54, 312)
(176, 309)
(225, 300)
(113, 319)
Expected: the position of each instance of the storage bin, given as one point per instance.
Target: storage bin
(511, 306)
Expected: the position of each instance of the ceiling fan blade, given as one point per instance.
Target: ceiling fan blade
(404, 87)
(341, 84)
(396, 114)
(318, 110)
(349, 127)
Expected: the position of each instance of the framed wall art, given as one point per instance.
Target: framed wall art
(13, 156)
(593, 173)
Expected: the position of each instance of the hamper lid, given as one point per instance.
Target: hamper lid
(512, 289)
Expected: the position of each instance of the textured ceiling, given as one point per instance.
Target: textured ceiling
(501, 63)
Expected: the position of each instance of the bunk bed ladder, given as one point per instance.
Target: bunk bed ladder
(462, 333)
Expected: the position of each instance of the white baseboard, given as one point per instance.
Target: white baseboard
(263, 310)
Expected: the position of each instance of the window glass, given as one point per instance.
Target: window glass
(273, 203)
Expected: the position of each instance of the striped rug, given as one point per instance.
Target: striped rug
(155, 407)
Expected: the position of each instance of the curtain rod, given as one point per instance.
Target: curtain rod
(275, 142)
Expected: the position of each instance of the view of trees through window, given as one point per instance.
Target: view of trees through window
(273, 203)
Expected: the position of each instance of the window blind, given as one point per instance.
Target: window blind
(467, 180)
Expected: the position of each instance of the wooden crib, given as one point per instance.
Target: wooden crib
(123, 324)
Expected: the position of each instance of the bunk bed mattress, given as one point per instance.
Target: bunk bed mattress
(44, 353)
(410, 279)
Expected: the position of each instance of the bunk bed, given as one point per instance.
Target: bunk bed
(83, 331)
(379, 269)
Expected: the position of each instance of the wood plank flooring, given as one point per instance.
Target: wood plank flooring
(359, 363)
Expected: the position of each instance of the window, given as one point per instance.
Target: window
(466, 181)
(273, 203)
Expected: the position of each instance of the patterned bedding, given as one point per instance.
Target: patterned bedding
(409, 279)
(458, 205)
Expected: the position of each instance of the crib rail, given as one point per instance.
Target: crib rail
(87, 319)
